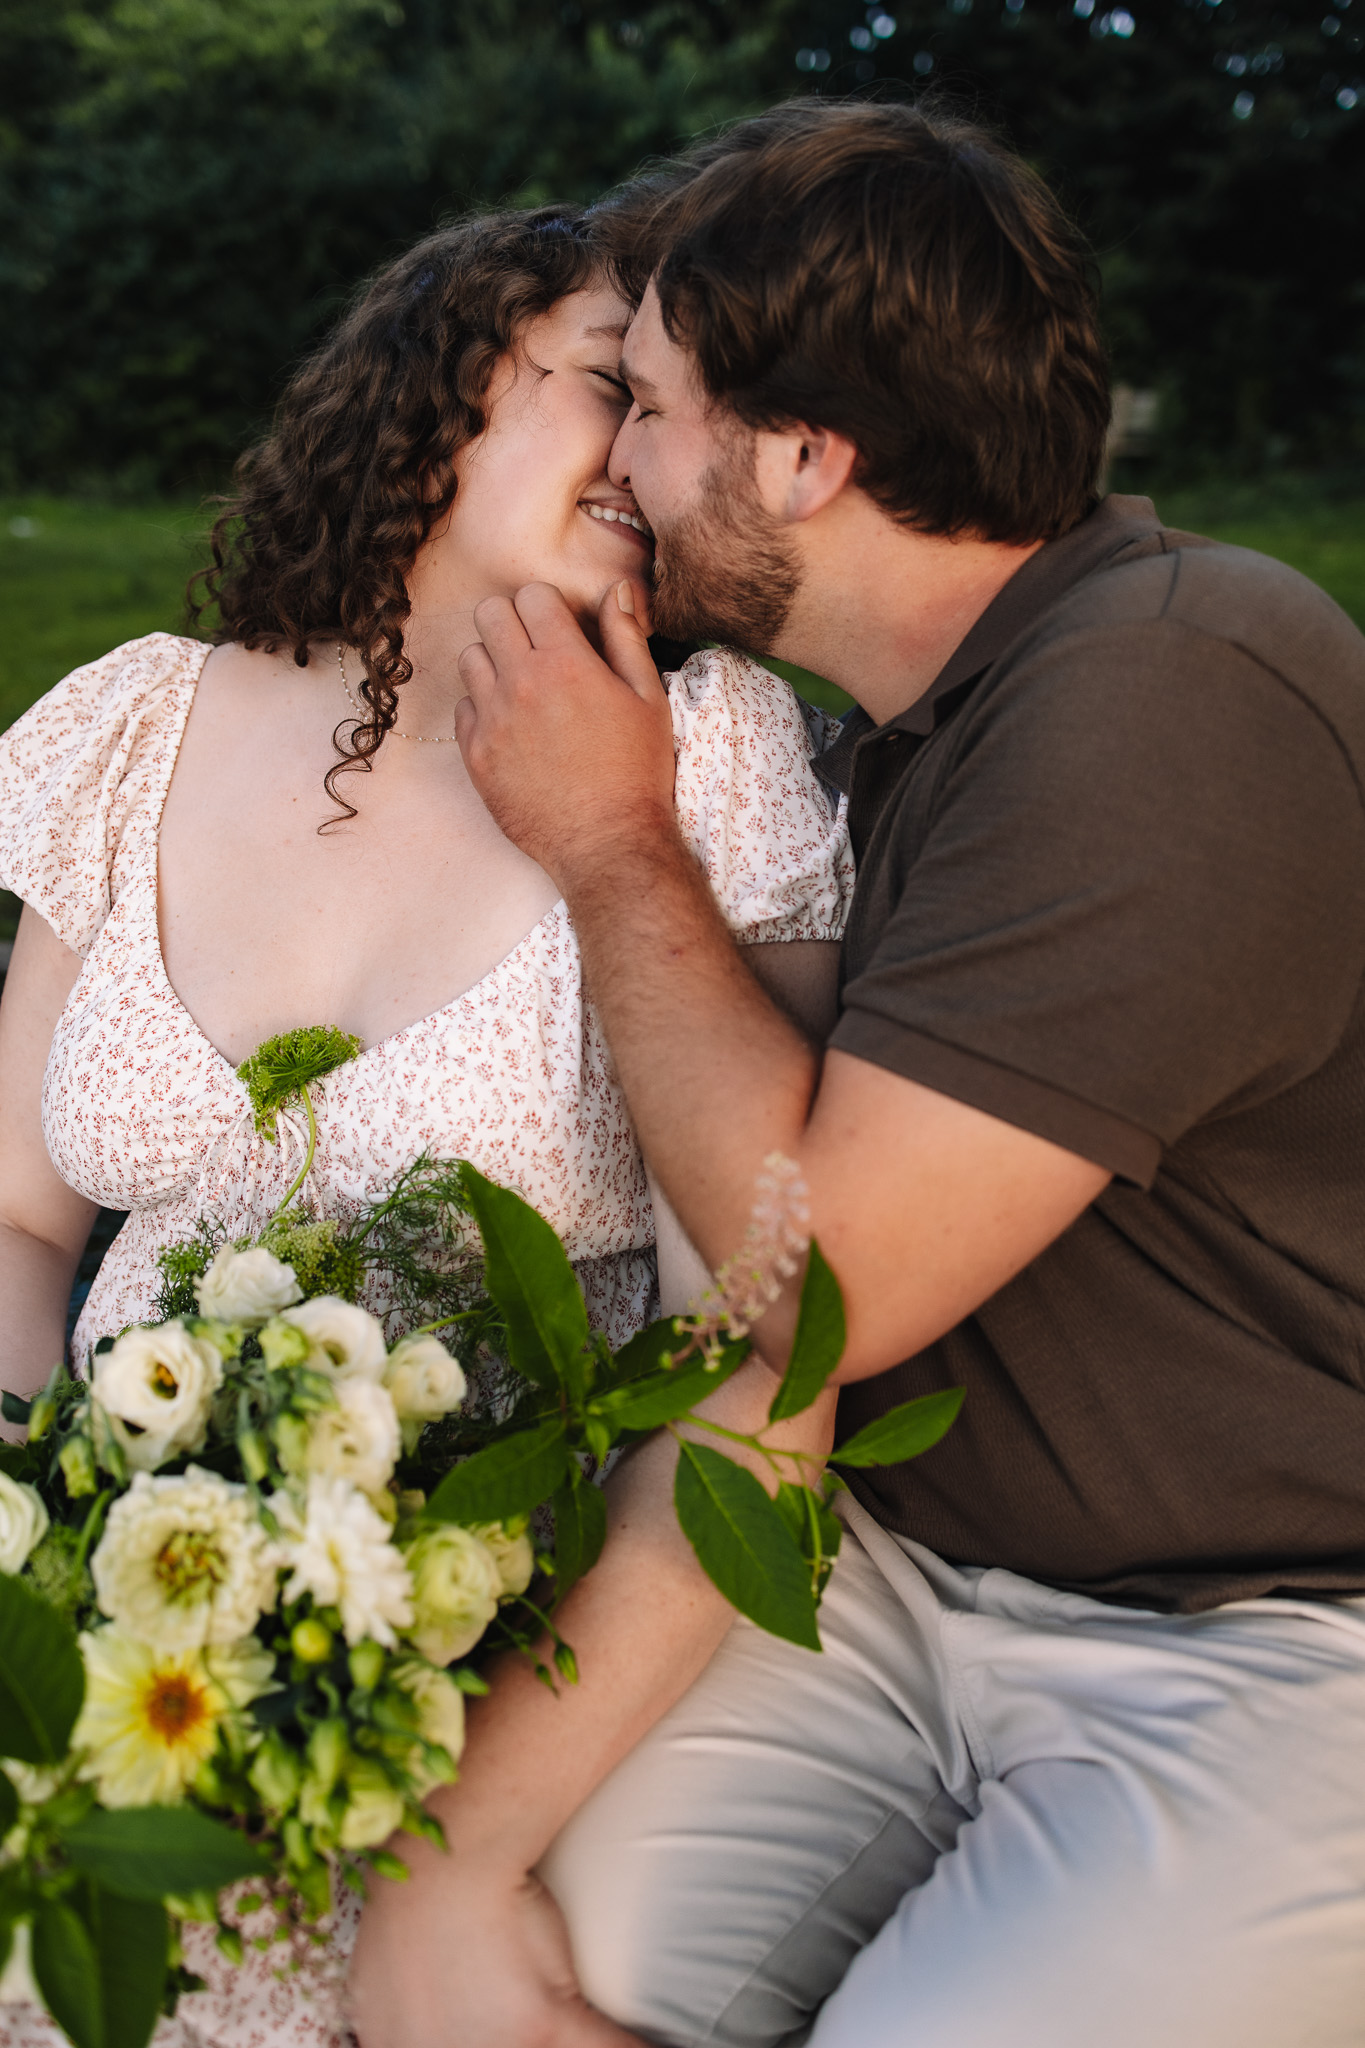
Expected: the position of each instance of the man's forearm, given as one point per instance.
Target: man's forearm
(716, 1075)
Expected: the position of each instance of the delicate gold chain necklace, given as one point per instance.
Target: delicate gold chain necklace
(421, 739)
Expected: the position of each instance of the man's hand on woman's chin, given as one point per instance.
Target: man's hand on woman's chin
(571, 750)
(458, 1959)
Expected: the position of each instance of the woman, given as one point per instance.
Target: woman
(217, 843)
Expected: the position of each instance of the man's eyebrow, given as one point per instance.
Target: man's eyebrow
(636, 382)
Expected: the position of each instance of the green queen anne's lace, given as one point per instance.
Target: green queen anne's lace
(287, 1066)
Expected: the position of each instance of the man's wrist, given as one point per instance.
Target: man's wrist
(624, 851)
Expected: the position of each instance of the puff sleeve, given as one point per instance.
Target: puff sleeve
(81, 776)
(774, 847)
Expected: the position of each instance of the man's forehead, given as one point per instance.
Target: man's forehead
(649, 353)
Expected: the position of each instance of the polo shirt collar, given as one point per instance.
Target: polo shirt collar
(1042, 581)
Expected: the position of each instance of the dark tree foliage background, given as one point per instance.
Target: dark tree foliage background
(189, 189)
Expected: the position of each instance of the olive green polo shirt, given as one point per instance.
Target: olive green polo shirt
(1111, 890)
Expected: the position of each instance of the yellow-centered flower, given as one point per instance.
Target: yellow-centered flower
(151, 1718)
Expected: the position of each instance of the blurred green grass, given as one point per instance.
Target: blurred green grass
(77, 579)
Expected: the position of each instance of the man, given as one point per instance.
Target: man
(1084, 1758)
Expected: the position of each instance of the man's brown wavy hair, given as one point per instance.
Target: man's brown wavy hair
(328, 513)
(897, 274)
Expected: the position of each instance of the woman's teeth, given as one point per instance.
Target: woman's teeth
(611, 514)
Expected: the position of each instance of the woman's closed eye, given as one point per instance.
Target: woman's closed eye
(621, 390)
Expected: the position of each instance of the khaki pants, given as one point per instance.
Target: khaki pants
(990, 1815)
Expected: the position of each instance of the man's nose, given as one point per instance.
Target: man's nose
(618, 462)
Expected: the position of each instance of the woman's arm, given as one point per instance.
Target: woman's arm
(471, 1952)
(44, 1224)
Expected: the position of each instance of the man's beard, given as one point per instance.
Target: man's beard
(722, 570)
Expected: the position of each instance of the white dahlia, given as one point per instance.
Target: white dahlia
(357, 1440)
(156, 1388)
(184, 1562)
(339, 1551)
(246, 1287)
(150, 1720)
(345, 1342)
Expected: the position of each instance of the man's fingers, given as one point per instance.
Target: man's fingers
(501, 630)
(623, 623)
(476, 669)
(466, 724)
(545, 614)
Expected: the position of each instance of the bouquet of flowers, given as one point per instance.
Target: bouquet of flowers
(252, 1565)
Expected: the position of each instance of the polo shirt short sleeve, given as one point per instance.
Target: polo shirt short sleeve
(1128, 892)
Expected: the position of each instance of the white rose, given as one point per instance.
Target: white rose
(343, 1341)
(339, 1551)
(357, 1440)
(424, 1381)
(156, 1388)
(456, 1587)
(185, 1562)
(440, 1708)
(246, 1287)
(23, 1523)
(374, 1809)
(512, 1554)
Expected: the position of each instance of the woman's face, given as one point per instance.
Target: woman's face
(534, 502)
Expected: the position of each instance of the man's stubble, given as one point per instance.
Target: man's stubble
(723, 570)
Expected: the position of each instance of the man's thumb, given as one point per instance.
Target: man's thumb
(625, 641)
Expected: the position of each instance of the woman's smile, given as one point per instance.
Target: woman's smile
(621, 512)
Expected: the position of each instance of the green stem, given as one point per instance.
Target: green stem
(752, 1443)
(302, 1174)
(91, 1526)
(464, 1315)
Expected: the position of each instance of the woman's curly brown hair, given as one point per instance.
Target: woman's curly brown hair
(328, 514)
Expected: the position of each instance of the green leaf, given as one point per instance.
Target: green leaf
(509, 1478)
(148, 1852)
(580, 1529)
(648, 1403)
(42, 1679)
(14, 1407)
(284, 1066)
(9, 1806)
(132, 1949)
(646, 1351)
(743, 1544)
(817, 1347)
(66, 1968)
(530, 1278)
(902, 1432)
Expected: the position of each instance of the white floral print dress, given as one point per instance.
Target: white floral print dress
(142, 1113)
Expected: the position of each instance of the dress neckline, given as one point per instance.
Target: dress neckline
(557, 911)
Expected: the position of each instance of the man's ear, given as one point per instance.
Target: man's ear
(807, 469)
